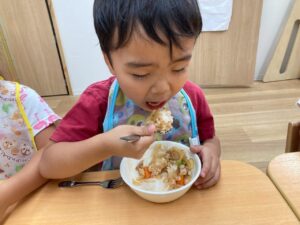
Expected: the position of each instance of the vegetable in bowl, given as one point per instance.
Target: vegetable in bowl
(171, 165)
(153, 184)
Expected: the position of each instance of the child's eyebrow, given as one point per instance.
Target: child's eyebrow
(144, 64)
(138, 64)
(183, 58)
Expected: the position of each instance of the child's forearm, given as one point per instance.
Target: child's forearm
(66, 159)
(214, 145)
(24, 182)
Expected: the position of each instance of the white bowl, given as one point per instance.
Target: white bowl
(129, 173)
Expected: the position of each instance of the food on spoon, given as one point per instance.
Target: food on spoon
(162, 119)
(166, 168)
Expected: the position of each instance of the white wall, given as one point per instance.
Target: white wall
(82, 52)
(81, 47)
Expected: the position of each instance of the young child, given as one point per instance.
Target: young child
(26, 124)
(147, 45)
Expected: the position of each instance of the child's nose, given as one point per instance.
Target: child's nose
(161, 87)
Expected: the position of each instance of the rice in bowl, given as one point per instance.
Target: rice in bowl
(166, 171)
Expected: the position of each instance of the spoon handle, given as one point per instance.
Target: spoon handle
(131, 138)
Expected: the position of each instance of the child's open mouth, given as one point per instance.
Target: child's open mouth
(155, 105)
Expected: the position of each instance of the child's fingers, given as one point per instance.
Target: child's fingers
(211, 182)
(199, 150)
(145, 130)
(147, 141)
(196, 148)
(209, 173)
(151, 129)
(142, 145)
(137, 149)
(205, 159)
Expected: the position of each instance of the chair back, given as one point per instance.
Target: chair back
(293, 137)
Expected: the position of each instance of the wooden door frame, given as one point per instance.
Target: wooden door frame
(60, 50)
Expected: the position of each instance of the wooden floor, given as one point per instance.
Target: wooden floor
(251, 122)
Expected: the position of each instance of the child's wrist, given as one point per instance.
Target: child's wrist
(103, 144)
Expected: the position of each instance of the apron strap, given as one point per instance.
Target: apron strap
(108, 164)
(194, 140)
(108, 121)
(23, 113)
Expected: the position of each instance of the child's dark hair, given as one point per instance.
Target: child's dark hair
(172, 18)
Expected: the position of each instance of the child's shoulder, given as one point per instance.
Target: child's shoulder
(9, 85)
(100, 86)
(193, 89)
(97, 92)
(9, 88)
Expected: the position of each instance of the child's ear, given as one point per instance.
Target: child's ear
(108, 63)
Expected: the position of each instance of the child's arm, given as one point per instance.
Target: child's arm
(28, 179)
(65, 159)
(209, 153)
(18, 186)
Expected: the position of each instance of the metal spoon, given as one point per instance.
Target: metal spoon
(136, 137)
(131, 138)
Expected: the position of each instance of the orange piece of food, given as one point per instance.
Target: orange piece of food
(147, 173)
(181, 181)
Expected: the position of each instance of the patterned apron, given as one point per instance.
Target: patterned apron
(121, 110)
(17, 144)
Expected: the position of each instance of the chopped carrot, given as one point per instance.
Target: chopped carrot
(147, 173)
(181, 181)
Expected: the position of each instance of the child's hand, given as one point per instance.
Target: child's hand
(5, 211)
(130, 149)
(4, 205)
(2, 211)
(211, 167)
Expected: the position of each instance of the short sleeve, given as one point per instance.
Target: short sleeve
(38, 112)
(205, 120)
(86, 117)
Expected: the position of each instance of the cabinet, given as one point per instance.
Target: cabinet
(28, 48)
(228, 58)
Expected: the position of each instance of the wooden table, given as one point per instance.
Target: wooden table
(284, 171)
(244, 196)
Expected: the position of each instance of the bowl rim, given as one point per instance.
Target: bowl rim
(188, 185)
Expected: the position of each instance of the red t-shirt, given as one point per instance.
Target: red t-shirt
(86, 117)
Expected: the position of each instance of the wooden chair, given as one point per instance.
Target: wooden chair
(284, 64)
(293, 137)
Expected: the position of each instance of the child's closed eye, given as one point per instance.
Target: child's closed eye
(140, 76)
(179, 70)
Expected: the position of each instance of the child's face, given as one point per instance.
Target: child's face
(146, 72)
